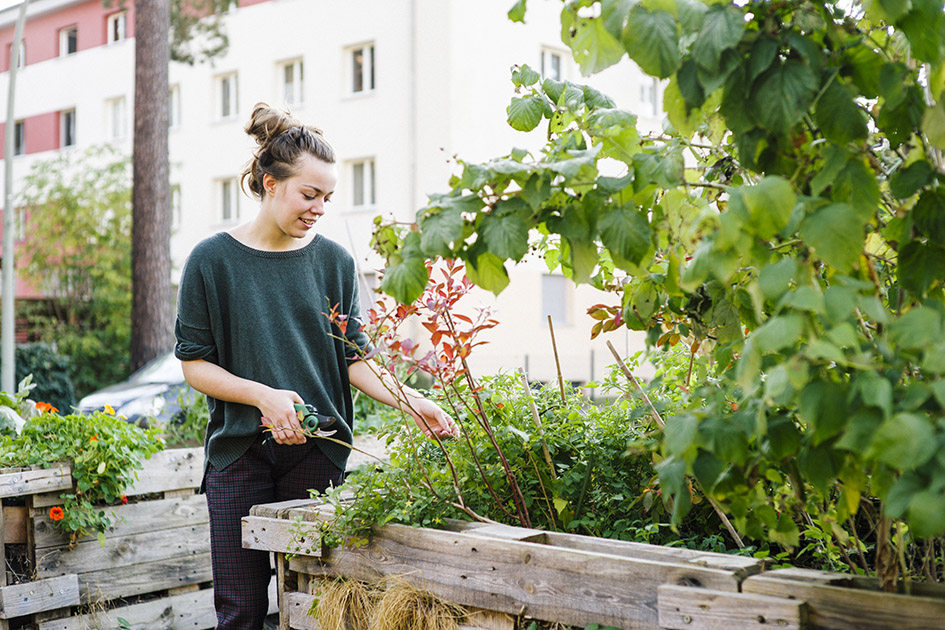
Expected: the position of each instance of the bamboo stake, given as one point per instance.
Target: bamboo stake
(537, 420)
(659, 421)
(554, 347)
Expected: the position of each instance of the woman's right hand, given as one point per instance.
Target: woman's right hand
(278, 411)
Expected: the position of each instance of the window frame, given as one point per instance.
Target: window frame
(64, 40)
(227, 93)
(19, 138)
(174, 108)
(366, 77)
(364, 192)
(228, 200)
(562, 302)
(117, 19)
(116, 118)
(67, 128)
(298, 81)
(546, 55)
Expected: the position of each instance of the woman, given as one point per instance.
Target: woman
(252, 335)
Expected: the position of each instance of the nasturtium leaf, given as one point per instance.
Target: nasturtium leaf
(927, 514)
(441, 233)
(722, 28)
(652, 41)
(769, 205)
(928, 215)
(839, 117)
(905, 441)
(626, 233)
(594, 47)
(505, 235)
(836, 235)
(783, 94)
(920, 266)
(907, 181)
(933, 125)
(526, 112)
(919, 328)
(488, 272)
(778, 333)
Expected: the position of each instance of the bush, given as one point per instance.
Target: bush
(50, 372)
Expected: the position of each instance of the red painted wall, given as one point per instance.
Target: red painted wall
(42, 133)
(41, 34)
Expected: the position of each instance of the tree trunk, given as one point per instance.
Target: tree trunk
(151, 308)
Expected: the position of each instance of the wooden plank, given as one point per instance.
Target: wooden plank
(838, 608)
(298, 605)
(55, 478)
(568, 586)
(271, 534)
(28, 598)
(14, 524)
(124, 550)
(923, 589)
(278, 510)
(134, 518)
(144, 577)
(479, 619)
(172, 469)
(688, 608)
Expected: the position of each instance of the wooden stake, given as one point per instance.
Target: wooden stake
(537, 420)
(554, 347)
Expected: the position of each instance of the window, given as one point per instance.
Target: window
(556, 299)
(19, 137)
(362, 65)
(291, 76)
(21, 61)
(362, 183)
(176, 213)
(226, 96)
(173, 117)
(649, 97)
(229, 200)
(67, 128)
(115, 27)
(116, 114)
(68, 41)
(551, 64)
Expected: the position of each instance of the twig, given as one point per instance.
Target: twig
(537, 420)
(554, 348)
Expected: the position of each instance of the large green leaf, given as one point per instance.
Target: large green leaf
(722, 28)
(905, 441)
(666, 169)
(626, 233)
(919, 328)
(594, 47)
(856, 184)
(923, 28)
(783, 94)
(928, 215)
(769, 204)
(517, 12)
(839, 117)
(441, 233)
(488, 272)
(406, 274)
(652, 40)
(927, 514)
(525, 113)
(505, 235)
(836, 235)
(910, 179)
(920, 266)
(778, 333)
(933, 125)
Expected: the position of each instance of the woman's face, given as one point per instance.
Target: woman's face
(296, 203)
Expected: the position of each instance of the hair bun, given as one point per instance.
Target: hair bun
(267, 123)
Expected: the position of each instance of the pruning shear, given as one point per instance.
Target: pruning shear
(313, 423)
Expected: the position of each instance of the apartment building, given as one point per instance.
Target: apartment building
(398, 86)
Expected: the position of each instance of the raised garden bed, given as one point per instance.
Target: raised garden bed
(516, 574)
(153, 571)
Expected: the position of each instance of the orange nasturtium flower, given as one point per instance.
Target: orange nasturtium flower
(45, 406)
(109, 410)
(124, 500)
(56, 513)
(94, 438)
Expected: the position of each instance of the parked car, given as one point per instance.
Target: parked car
(150, 392)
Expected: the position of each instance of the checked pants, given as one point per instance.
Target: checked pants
(266, 473)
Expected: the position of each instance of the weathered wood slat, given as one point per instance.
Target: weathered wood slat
(55, 478)
(14, 524)
(922, 589)
(568, 586)
(268, 534)
(172, 469)
(28, 598)
(839, 608)
(134, 518)
(123, 550)
(185, 611)
(144, 577)
(687, 608)
(297, 606)
(309, 510)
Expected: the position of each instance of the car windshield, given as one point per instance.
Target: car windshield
(164, 369)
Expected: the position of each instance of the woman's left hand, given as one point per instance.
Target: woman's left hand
(432, 420)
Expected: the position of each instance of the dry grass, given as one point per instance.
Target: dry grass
(345, 605)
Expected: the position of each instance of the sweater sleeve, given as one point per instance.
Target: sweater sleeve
(193, 329)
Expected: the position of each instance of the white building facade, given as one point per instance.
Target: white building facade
(398, 86)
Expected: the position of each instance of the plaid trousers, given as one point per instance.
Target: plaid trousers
(266, 473)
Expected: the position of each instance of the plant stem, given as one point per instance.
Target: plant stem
(554, 348)
(537, 420)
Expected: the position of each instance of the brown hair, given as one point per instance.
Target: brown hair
(282, 140)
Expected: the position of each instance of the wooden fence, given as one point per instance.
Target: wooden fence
(509, 574)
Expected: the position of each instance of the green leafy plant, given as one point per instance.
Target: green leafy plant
(104, 451)
(786, 225)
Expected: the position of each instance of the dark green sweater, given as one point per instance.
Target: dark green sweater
(262, 316)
